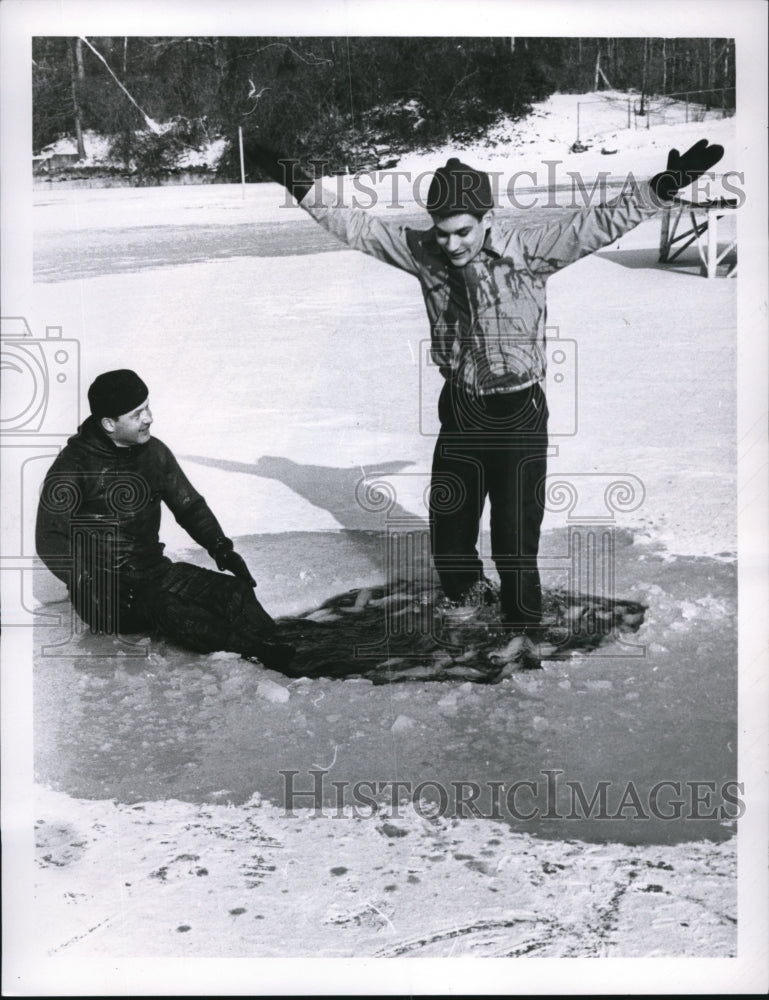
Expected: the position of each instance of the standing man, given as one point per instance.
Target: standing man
(98, 527)
(483, 281)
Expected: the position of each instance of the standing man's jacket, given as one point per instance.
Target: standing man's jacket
(494, 340)
(100, 508)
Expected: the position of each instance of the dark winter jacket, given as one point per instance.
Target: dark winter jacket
(100, 508)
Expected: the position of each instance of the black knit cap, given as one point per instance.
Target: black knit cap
(114, 393)
(457, 188)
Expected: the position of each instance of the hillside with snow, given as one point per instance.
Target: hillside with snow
(589, 133)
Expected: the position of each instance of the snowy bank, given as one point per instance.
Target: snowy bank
(219, 881)
(537, 151)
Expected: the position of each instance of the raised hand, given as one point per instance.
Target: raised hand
(282, 169)
(684, 168)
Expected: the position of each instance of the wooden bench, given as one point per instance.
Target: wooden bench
(704, 217)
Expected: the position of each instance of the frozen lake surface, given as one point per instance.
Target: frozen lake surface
(284, 371)
(281, 374)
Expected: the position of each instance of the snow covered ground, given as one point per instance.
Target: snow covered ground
(283, 371)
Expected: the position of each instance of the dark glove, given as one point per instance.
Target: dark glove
(281, 168)
(683, 170)
(226, 558)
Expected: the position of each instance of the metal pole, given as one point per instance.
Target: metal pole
(242, 164)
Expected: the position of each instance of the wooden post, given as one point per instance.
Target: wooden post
(712, 219)
(665, 236)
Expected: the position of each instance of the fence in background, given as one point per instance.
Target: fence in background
(596, 118)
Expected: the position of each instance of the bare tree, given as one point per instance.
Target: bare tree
(76, 77)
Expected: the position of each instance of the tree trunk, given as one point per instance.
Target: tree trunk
(674, 56)
(643, 78)
(77, 77)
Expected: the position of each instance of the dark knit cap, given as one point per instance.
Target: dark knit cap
(114, 393)
(457, 188)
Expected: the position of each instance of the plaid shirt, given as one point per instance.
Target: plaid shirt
(487, 319)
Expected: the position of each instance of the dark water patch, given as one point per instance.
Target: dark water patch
(609, 724)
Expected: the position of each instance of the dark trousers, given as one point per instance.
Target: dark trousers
(493, 446)
(197, 608)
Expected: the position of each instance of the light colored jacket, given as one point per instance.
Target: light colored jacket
(496, 342)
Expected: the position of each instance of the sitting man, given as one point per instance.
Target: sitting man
(98, 527)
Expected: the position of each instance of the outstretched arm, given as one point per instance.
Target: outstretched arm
(549, 247)
(358, 228)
